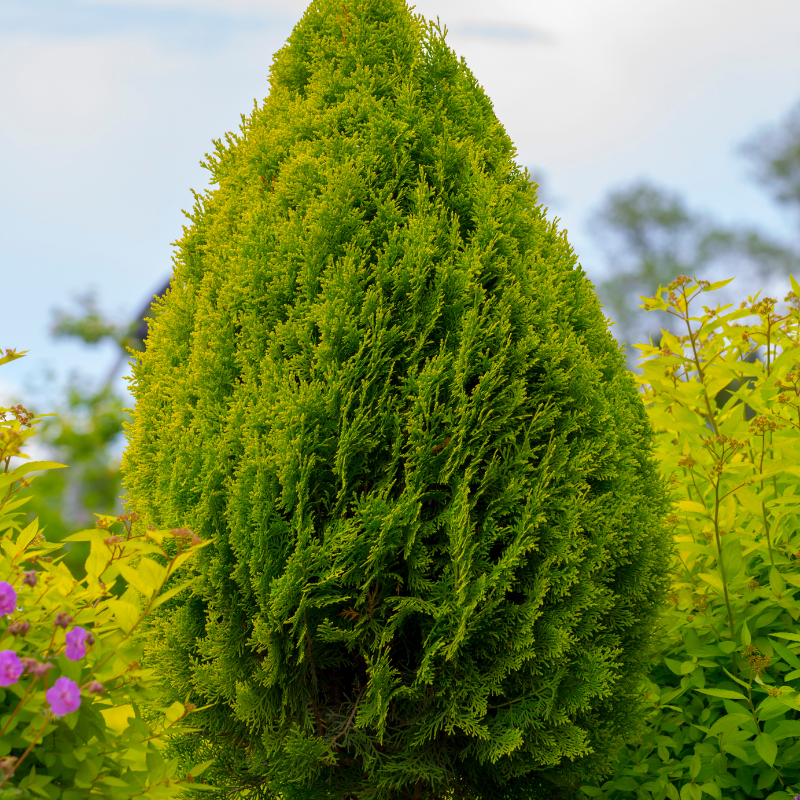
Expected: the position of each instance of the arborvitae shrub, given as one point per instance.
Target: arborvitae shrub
(383, 386)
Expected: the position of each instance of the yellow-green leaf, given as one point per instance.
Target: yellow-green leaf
(766, 747)
(726, 693)
(162, 598)
(126, 614)
(135, 579)
(712, 579)
(691, 507)
(27, 536)
(99, 556)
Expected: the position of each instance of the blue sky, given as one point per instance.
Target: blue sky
(108, 106)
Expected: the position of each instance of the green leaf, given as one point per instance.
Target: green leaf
(204, 787)
(199, 769)
(126, 614)
(152, 573)
(678, 667)
(786, 728)
(728, 723)
(162, 598)
(711, 788)
(746, 639)
(27, 536)
(734, 678)
(766, 748)
(717, 285)
(11, 357)
(591, 791)
(736, 750)
(694, 767)
(672, 792)
(731, 557)
(776, 582)
(726, 780)
(624, 784)
(722, 693)
(786, 654)
(793, 636)
(135, 579)
(712, 579)
(35, 466)
(770, 708)
(99, 556)
(692, 507)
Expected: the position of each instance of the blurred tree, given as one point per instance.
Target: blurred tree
(775, 153)
(84, 435)
(651, 236)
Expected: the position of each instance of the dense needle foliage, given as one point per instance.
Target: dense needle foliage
(383, 386)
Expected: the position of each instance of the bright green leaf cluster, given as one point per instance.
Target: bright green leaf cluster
(103, 748)
(724, 690)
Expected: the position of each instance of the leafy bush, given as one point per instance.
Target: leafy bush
(77, 738)
(724, 717)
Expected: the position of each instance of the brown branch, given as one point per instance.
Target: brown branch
(349, 721)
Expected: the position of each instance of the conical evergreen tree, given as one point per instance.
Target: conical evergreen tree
(383, 386)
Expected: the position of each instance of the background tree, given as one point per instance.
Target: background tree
(775, 154)
(85, 435)
(650, 236)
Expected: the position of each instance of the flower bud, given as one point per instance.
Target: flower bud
(62, 620)
(19, 628)
(7, 764)
(95, 687)
(30, 578)
(33, 667)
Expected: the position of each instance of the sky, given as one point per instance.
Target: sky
(108, 106)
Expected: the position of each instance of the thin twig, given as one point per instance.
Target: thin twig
(352, 714)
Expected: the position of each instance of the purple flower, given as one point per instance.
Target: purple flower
(30, 578)
(64, 697)
(10, 667)
(76, 647)
(8, 598)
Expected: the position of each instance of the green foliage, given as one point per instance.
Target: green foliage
(383, 389)
(776, 156)
(102, 748)
(84, 434)
(651, 235)
(724, 697)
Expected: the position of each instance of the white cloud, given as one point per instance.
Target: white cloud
(57, 86)
(228, 7)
